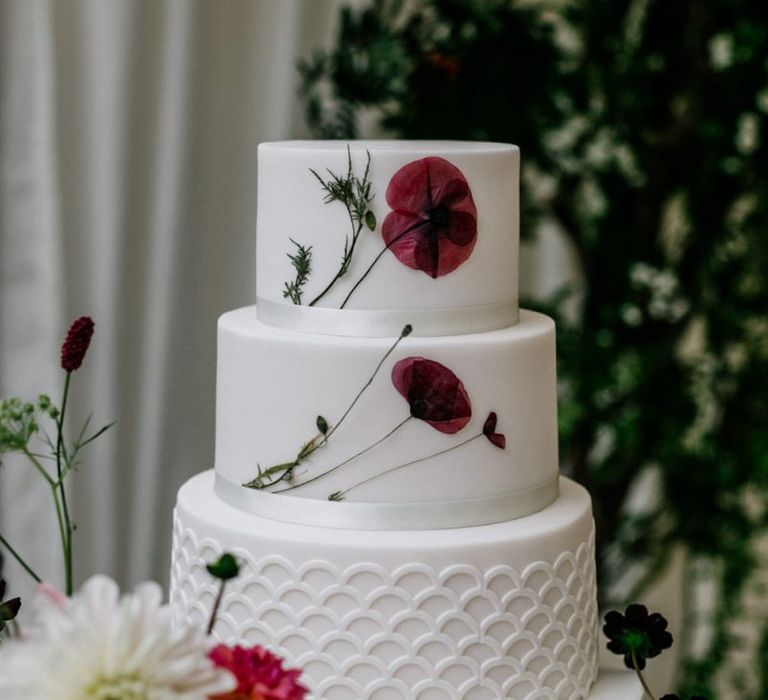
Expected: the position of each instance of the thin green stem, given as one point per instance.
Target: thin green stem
(405, 332)
(54, 494)
(216, 606)
(19, 559)
(60, 520)
(33, 458)
(344, 492)
(345, 263)
(286, 468)
(349, 459)
(370, 267)
(60, 452)
(640, 676)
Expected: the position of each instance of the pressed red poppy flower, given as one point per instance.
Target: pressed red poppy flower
(489, 430)
(433, 223)
(434, 393)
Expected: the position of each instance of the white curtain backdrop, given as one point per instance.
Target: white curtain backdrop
(128, 135)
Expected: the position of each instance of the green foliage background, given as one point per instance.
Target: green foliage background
(642, 126)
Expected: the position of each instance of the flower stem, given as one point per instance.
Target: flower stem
(349, 459)
(370, 267)
(356, 206)
(39, 467)
(216, 606)
(67, 523)
(19, 559)
(286, 468)
(640, 676)
(340, 494)
(55, 485)
(405, 332)
(345, 263)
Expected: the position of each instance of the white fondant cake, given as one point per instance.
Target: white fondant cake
(386, 439)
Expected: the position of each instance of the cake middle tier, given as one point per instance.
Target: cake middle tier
(456, 428)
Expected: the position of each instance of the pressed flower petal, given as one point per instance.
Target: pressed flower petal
(433, 392)
(433, 223)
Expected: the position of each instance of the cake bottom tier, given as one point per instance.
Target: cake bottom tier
(478, 613)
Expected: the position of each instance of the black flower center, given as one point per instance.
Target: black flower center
(419, 408)
(439, 217)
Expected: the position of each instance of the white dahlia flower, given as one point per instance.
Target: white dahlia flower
(99, 646)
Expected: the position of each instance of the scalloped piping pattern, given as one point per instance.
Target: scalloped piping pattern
(365, 632)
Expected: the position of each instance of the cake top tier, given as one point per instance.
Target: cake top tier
(362, 237)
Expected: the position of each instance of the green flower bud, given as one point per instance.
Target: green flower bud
(225, 568)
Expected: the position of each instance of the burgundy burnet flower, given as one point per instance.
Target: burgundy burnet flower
(489, 430)
(259, 673)
(433, 223)
(76, 343)
(434, 393)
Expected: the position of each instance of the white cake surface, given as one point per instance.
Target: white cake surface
(291, 206)
(273, 383)
(479, 613)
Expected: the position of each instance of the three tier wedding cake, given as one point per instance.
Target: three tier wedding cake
(386, 439)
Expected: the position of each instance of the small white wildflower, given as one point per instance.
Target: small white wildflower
(640, 274)
(593, 201)
(631, 315)
(736, 356)
(761, 99)
(675, 227)
(604, 444)
(747, 137)
(599, 150)
(721, 51)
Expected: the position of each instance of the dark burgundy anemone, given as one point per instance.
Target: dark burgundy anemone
(433, 223)
(489, 430)
(636, 634)
(434, 393)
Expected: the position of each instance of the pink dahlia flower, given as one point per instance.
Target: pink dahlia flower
(260, 674)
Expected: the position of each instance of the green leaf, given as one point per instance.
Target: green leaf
(9, 609)
(322, 425)
(370, 220)
(225, 568)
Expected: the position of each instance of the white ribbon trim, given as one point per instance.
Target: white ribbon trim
(388, 323)
(352, 515)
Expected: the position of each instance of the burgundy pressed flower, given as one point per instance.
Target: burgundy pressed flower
(259, 673)
(489, 430)
(433, 223)
(76, 344)
(434, 393)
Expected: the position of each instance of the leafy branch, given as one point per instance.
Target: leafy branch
(20, 424)
(356, 196)
(302, 263)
